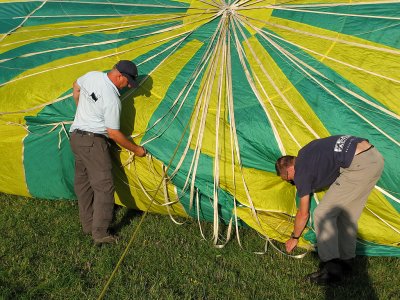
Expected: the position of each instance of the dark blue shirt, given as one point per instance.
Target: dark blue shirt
(318, 163)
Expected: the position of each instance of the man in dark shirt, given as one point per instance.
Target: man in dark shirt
(350, 167)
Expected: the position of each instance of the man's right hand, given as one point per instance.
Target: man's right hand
(140, 151)
(122, 140)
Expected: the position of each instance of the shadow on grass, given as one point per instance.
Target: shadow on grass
(125, 220)
(356, 286)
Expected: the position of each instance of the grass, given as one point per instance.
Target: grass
(44, 255)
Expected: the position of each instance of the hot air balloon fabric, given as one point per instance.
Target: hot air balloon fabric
(226, 87)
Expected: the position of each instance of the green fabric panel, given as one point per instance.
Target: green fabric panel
(9, 12)
(258, 146)
(49, 170)
(371, 249)
(336, 117)
(16, 65)
(75, 11)
(383, 31)
(363, 247)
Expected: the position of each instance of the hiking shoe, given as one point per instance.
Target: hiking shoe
(109, 239)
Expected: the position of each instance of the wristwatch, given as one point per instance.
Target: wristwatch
(292, 236)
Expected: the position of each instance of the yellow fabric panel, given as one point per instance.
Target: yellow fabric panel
(263, 188)
(274, 225)
(149, 96)
(293, 2)
(130, 194)
(257, 10)
(212, 90)
(47, 84)
(263, 64)
(12, 179)
(373, 229)
(371, 60)
(31, 34)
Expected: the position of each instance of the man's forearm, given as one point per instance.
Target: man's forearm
(123, 141)
(302, 216)
(300, 223)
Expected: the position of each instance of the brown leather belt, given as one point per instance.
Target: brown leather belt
(82, 132)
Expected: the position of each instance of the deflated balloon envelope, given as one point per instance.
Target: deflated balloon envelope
(225, 89)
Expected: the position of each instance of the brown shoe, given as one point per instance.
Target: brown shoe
(109, 239)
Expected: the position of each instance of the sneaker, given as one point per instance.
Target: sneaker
(109, 239)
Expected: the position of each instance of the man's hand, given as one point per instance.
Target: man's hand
(291, 244)
(118, 137)
(140, 151)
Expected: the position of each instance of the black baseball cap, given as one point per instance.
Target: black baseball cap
(129, 70)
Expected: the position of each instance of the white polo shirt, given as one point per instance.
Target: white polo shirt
(99, 106)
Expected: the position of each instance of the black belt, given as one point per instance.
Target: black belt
(82, 132)
(372, 146)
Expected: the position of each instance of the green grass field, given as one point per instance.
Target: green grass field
(44, 255)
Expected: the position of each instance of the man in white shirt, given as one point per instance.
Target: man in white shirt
(96, 121)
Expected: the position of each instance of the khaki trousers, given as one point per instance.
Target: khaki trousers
(93, 183)
(335, 218)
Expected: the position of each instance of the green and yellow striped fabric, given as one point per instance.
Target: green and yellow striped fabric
(226, 87)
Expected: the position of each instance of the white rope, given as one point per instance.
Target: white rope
(168, 203)
(388, 193)
(335, 39)
(23, 21)
(264, 32)
(207, 56)
(370, 103)
(142, 22)
(383, 221)
(192, 79)
(232, 130)
(323, 12)
(384, 110)
(88, 60)
(122, 25)
(198, 214)
(338, 4)
(280, 93)
(293, 59)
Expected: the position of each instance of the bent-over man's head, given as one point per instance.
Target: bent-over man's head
(284, 167)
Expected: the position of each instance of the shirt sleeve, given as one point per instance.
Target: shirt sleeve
(303, 184)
